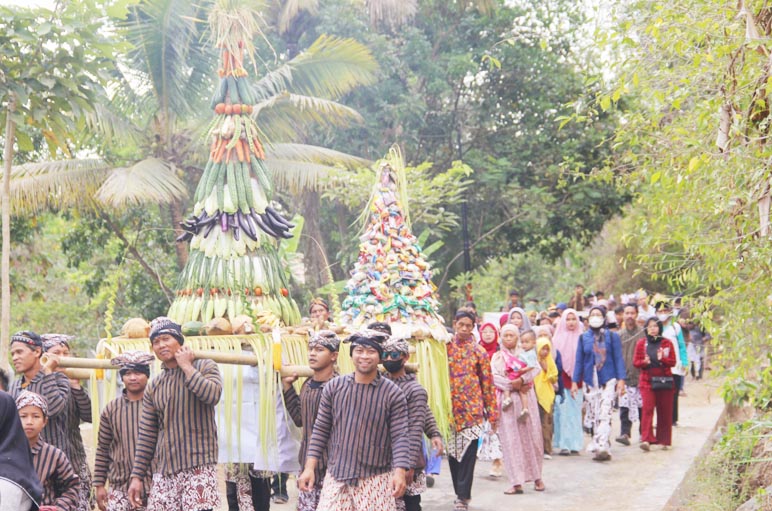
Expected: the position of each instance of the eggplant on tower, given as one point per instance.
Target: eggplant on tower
(234, 266)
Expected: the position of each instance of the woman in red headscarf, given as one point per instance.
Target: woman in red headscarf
(490, 449)
(489, 338)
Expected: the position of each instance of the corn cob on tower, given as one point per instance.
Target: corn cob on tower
(391, 280)
(234, 267)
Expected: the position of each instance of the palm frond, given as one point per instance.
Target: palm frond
(56, 184)
(167, 51)
(294, 176)
(299, 167)
(288, 116)
(153, 181)
(112, 126)
(315, 154)
(330, 68)
(392, 12)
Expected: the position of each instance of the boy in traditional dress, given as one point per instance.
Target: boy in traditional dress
(78, 410)
(362, 425)
(177, 430)
(26, 350)
(396, 352)
(59, 480)
(322, 355)
(118, 432)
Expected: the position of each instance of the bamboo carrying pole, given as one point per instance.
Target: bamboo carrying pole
(78, 374)
(72, 363)
(54, 361)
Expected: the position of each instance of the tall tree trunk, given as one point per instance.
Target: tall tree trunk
(175, 213)
(312, 241)
(5, 314)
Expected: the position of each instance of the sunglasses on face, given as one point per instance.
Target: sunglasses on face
(394, 355)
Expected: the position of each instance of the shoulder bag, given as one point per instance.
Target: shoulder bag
(660, 382)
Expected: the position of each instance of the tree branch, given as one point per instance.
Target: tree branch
(131, 247)
(478, 240)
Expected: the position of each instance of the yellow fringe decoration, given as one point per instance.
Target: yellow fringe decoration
(430, 354)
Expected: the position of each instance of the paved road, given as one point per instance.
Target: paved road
(632, 481)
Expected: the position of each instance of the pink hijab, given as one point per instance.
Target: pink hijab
(565, 341)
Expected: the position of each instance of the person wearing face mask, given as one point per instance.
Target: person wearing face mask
(600, 366)
(672, 330)
(396, 352)
(655, 355)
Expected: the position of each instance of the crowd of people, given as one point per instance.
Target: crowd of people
(523, 386)
(569, 367)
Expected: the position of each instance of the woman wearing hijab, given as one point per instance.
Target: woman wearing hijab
(490, 447)
(519, 318)
(489, 338)
(19, 484)
(655, 356)
(567, 416)
(601, 368)
(544, 383)
(521, 440)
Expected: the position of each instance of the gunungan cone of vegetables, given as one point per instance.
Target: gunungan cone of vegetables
(234, 267)
(391, 279)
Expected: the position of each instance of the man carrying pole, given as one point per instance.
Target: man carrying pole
(322, 355)
(26, 351)
(362, 424)
(177, 430)
(396, 353)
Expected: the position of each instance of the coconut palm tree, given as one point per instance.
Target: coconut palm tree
(151, 128)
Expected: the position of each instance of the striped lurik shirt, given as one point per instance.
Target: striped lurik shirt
(116, 443)
(60, 482)
(177, 427)
(417, 405)
(55, 387)
(303, 409)
(363, 427)
(78, 410)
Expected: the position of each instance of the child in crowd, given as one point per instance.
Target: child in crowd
(59, 480)
(524, 362)
(544, 383)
